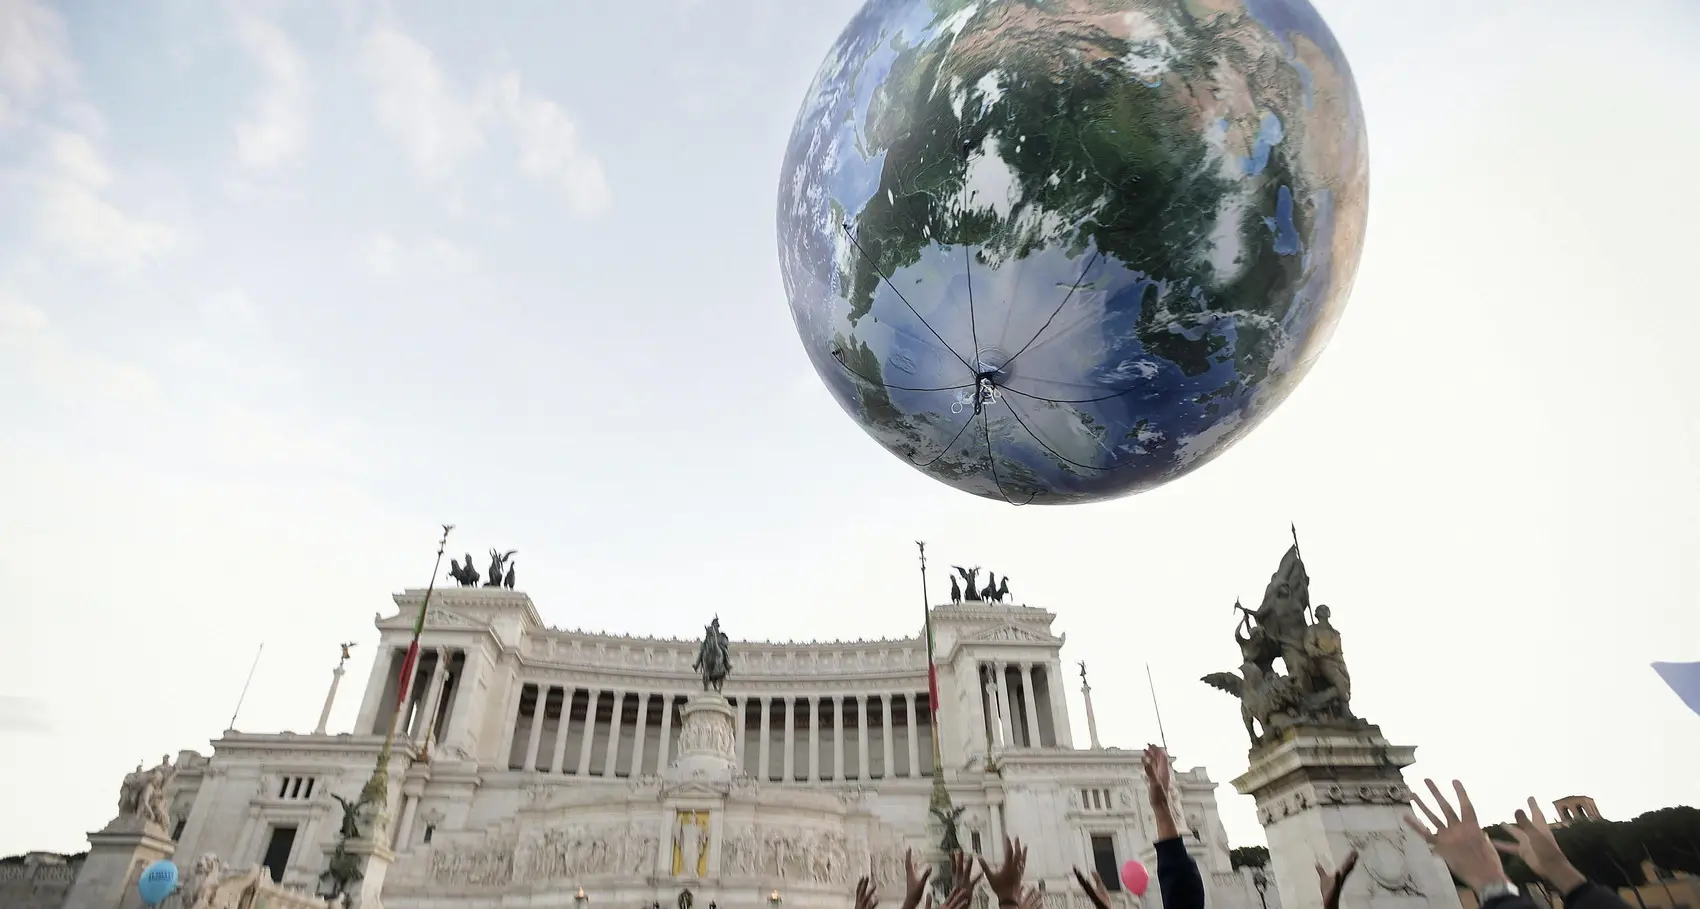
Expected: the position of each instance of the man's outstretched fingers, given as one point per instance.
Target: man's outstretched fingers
(1441, 803)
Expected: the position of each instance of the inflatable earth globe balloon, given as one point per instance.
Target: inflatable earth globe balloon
(1059, 251)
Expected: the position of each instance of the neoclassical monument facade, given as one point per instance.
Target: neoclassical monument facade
(538, 767)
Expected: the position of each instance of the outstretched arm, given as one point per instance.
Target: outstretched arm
(1177, 874)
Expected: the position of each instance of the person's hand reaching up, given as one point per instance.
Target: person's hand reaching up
(1538, 849)
(1333, 884)
(1458, 839)
(1006, 881)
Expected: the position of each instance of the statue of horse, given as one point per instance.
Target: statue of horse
(714, 658)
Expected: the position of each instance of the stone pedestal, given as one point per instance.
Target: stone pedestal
(1324, 791)
(707, 739)
(373, 859)
(117, 856)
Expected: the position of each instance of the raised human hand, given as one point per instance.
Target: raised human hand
(1094, 887)
(963, 874)
(1538, 849)
(1159, 774)
(959, 898)
(1006, 881)
(916, 889)
(1458, 839)
(867, 895)
(1333, 883)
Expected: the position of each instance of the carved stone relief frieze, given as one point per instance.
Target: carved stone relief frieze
(804, 855)
(568, 853)
(1327, 795)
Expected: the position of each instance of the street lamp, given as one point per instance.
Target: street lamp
(1261, 882)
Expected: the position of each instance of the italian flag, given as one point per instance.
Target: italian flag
(932, 673)
(412, 658)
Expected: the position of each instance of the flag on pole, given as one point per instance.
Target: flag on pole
(1684, 679)
(932, 674)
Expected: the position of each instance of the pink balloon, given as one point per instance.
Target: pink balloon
(1135, 878)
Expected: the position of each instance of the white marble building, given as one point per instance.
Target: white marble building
(534, 762)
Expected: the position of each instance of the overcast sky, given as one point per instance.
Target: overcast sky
(284, 286)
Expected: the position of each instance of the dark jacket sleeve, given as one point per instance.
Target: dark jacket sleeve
(1520, 901)
(1592, 896)
(1180, 882)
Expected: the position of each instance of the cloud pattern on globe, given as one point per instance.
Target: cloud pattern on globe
(1057, 251)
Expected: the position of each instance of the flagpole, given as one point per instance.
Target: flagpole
(941, 796)
(376, 792)
(244, 696)
(1161, 735)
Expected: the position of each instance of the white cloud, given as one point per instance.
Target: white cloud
(435, 259)
(29, 344)
(75, 215)
(440, 126)
(33, 56)
(275, 132)
(253, 441)
(550, 150)
(436, 126)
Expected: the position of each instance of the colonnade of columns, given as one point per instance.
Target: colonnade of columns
(433, 710)
(810, 738)
(1019, 702)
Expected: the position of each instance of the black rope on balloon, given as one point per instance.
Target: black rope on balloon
(881, 272)
(1059, 455)
(968, 269)
(1069, 400)
(838, 357)
(952, 444)
(992, 459)
(1066, 297)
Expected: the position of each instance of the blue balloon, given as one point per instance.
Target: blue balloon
(1060, 251)
(158, 880)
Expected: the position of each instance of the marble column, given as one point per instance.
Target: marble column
(1091, 719)
(409, 805)
(614, 726)
(592, 699)
(537, 713)
(434, 697)
(1031, 711)
(466, 714)
(838, 737)
(886, 738)
(995, 720)
(638, 735)
(558, 754)
(790, 764)
(330, 699)
(862, 737)
(914, 737)
(814, 738)
(1006, 715)
(510, 726)
(739, 733)
(1061, 728)
(662, 750)
(765, 746)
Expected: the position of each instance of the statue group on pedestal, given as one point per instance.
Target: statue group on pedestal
(714, 657)
(501, 570)
(1316, 688)
(143, 794)
(995, 591)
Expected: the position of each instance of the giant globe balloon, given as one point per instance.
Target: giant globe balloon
(1059, 251)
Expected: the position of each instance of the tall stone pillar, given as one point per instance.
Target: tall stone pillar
(838, 737)
(814, 738)
(117, 856)
(1005, 715)
(765, 745)
(591, 701)
(790, 755)
(616, 722)
(914, 736)
(1091, 718)
(661, 749)
(1323, 791)
(1030, 711)
(330, 700)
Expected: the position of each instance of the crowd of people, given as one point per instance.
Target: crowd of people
(1455, 835)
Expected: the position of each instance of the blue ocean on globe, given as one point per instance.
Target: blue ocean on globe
(1060, 251)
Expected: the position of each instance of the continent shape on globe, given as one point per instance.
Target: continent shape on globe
(1056, 251)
